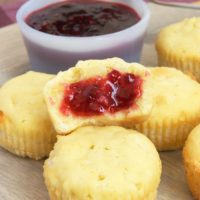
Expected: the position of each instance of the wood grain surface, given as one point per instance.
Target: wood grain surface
(21, 179)
(13, 56)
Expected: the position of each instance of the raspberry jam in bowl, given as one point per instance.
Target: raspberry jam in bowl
(58, 33)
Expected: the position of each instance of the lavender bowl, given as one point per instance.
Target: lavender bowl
(51, 53)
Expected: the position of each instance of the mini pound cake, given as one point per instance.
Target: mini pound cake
(176, 108)
(104, 163)
(191, 156)
(178, 45)
(25, 126)
(99, 92)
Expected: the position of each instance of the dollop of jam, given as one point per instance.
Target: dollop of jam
(83, 18)
(98, 95)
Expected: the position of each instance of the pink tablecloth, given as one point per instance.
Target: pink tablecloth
(8, 12)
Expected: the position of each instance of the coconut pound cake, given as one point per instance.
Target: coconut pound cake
(25, 126)
(176, 108)
(99, 92)
(191, 156)
(104, 163)
(178, 45)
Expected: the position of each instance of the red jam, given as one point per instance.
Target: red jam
(95, 96)
(83, 18)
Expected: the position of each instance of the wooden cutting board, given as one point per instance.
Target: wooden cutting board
(21, 179)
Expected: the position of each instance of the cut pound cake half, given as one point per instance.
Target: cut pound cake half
(104, 163)
(99, 92)
(176, 108)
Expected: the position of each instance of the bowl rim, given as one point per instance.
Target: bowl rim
(24, 26)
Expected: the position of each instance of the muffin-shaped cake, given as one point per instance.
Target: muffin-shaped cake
(104, 163)
(176, 108)
(99, 92)
(178, 45)
(25, 126)
(191, 155)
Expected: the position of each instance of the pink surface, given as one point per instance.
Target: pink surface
(4, 19)
(179, 1)
(8, 12)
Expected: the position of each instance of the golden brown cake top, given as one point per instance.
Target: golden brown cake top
(192, 147)
(182, 39)
(22, 101)
(105, 162)
(176, 95)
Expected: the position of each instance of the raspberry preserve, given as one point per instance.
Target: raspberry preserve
(95, 96)
(83, 18)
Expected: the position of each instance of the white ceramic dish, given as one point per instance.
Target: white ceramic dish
(50, 53)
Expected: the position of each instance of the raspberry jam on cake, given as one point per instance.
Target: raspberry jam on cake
(95, 96)
(83, 18)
